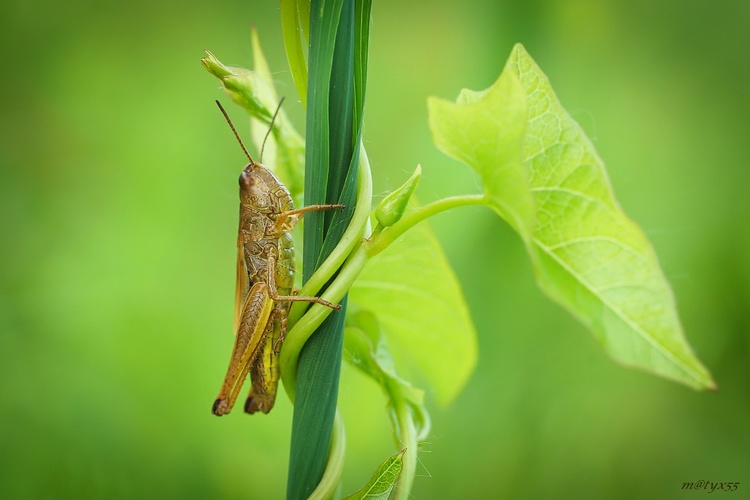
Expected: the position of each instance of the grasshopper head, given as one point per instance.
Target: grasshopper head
(254, 190)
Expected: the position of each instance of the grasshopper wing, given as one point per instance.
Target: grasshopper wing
(242, 286)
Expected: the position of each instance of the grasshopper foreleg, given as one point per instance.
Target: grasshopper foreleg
(287, 220)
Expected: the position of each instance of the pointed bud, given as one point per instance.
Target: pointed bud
(242, 85)
(393, 206)
(214, 66)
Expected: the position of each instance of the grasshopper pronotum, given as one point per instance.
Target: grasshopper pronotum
(265, 281)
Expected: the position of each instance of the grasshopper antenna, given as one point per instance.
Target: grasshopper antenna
(238, 135)
(270, 128)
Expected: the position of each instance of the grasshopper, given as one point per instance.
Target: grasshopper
(265, 281)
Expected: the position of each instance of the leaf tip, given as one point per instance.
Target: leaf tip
(709, 384)
(519, 49)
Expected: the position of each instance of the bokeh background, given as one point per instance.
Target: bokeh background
(118, 214)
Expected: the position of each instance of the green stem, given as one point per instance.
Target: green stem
(408, 436)
(301, 331)
(391, 234)
(335, 465)
(316, 314)
(352, 236)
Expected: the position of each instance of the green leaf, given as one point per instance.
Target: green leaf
(416, 298)
(587, 254)
(485, 130)
(383, 481)
(367, 349)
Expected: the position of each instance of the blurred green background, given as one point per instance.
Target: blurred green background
(119, 212)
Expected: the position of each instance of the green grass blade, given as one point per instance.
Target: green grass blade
(315, 405)
(291, 26)
(333, 136)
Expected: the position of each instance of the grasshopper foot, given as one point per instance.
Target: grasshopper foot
(258, 403)
(221, 407)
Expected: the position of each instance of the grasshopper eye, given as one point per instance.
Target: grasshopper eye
(246, 179)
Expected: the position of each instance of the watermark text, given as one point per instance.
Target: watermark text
(710, 487)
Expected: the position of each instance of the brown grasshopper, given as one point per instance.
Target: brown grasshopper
(265, 281)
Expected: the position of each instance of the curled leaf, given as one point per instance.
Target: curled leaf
(383, 481)
(366, 348)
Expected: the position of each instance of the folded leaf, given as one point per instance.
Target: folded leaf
(416, 298)
(542, 174)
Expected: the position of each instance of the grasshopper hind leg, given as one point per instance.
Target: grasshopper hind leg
(249, 343)
(264, 372)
